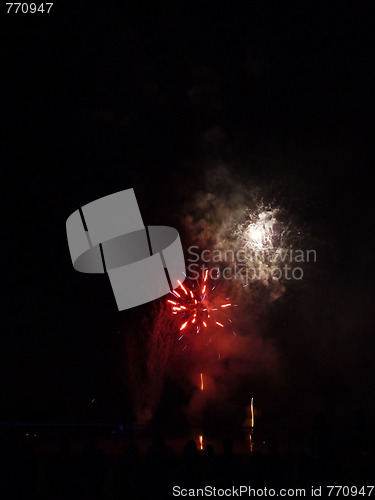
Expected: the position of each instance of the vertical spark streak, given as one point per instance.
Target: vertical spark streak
(201, 442)
(202, 386)
(251, 443)
(252, 412)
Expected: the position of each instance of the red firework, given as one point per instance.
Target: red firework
(195, 307)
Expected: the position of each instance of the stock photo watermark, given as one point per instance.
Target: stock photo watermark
(249, 264)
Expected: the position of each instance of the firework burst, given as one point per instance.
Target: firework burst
(196, 308)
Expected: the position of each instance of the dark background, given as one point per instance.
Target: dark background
(101, 98)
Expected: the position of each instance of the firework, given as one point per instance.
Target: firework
(195, 306)
(266, 240)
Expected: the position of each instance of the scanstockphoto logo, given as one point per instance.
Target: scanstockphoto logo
(108, 236)
(250, 264)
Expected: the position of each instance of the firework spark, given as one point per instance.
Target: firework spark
(251, 443)
(201, 442)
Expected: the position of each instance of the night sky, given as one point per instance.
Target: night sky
(97, 99)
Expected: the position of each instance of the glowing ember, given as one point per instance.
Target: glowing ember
(202, 386)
